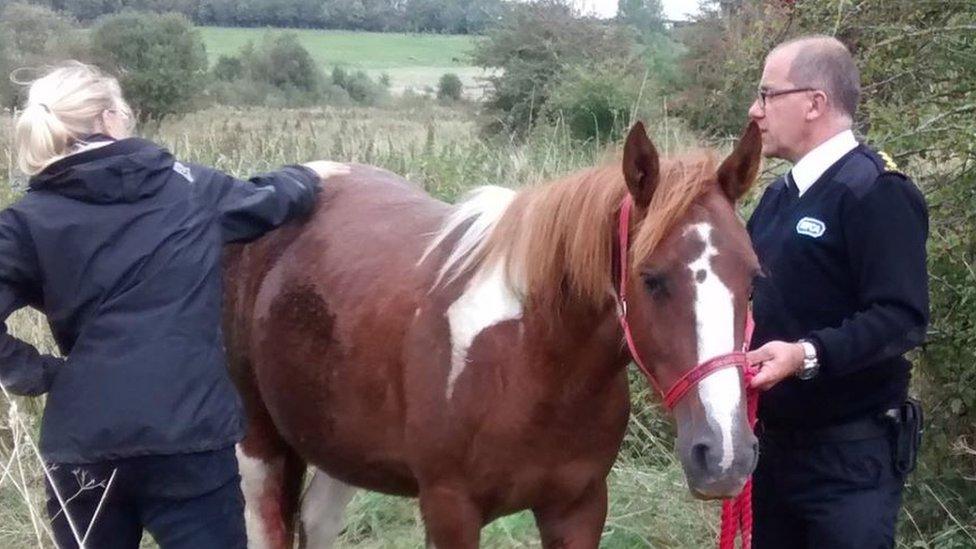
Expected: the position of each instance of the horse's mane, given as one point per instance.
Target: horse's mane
(554, 239)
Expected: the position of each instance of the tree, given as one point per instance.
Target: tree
(160, 60)
(647, 16)
(533, 47)
(283, 62)
(34, 37)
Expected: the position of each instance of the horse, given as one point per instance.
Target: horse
(471, 355)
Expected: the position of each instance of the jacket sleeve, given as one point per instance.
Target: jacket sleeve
(248, 209)
(885, 231)
(23, 370)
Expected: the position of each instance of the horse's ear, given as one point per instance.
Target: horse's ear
(641, 168)
(738, 172)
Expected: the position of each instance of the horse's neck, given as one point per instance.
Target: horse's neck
(583, 349)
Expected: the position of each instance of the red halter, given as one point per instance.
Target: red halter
(736, 512)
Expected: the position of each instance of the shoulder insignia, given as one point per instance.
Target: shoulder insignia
(889, 162)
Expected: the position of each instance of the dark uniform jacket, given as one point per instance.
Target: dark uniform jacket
(845, 268)
(120, 247)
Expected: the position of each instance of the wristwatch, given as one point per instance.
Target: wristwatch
(811, 366)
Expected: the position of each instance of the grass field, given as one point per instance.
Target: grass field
(412, 60)
(436, 147)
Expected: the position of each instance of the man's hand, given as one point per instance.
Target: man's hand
(777, 361)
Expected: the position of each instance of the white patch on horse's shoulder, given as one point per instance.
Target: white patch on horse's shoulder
(721, 392)
(483, 207)
(487, 300)
(328, 168)
(323, 506)
(254, 474)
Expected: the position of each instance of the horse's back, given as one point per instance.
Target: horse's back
(308, 293)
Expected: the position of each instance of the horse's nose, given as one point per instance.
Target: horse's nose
(710, 461)
(707, 459)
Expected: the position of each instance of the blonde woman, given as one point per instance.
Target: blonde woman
(119, 244)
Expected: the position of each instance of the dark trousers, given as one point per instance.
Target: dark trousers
(185, 501)
(825, 494)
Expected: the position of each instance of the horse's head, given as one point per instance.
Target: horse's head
(688, 298)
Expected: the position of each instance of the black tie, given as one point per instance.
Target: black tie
(791, 188)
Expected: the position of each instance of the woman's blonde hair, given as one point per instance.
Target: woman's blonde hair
(62, 107)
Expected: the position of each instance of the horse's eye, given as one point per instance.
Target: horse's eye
(656, 284)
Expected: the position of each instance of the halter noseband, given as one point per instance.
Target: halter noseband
(691, 378)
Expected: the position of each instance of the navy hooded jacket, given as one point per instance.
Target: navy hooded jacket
(120, 247)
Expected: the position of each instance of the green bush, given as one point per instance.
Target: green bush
(449, 87)
(282, 61)
(596, 102)
(31, 39)
(228, 68)
(532, 48)
(277, 71)
(160, 60)
(359, 87)
(339, 75)
(363, 90)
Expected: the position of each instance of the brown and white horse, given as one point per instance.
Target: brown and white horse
(471, 355)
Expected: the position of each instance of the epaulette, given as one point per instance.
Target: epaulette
(889, 162)
(884, 162)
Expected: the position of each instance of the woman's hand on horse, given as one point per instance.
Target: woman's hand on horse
(777, 361)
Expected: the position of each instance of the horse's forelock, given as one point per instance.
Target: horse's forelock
(684, 179)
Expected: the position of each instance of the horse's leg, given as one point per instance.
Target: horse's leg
(577, 524)
(452, 520)
(323, 505)
(271, 480)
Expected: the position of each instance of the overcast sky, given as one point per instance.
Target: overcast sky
(673, 9)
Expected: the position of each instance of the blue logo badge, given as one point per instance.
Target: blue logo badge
(811, 226)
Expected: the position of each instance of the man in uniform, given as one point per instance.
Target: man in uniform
(841, 240)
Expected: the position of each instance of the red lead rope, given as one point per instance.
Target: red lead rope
(736, 512)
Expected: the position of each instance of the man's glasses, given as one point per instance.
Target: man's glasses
(766, 95)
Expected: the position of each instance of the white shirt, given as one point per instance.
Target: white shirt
(808, 170)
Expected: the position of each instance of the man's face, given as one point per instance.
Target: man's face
(783, 119)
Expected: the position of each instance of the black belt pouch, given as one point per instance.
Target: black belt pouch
(906, 423)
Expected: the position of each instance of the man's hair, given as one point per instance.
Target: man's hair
(825, 63)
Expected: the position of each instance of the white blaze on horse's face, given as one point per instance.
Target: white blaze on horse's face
(721, 392)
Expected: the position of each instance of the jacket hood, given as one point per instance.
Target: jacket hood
(126, 170)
